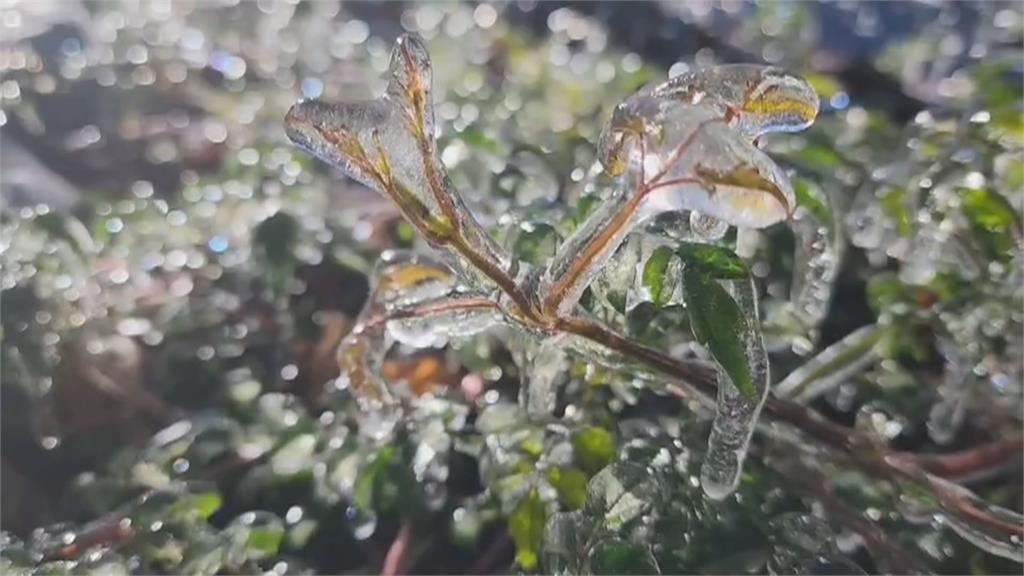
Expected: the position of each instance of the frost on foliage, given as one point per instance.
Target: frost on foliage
(388, 145)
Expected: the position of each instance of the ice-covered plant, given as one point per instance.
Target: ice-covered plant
(681, 170)
(683, 146)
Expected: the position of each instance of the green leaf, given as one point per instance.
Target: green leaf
(991, 217)
(717, 323)
(819, 156)
(571, 485)
(654, 274)
(810, 196)
(712, 261)
(265, 539)
(275, 237)
(536, 242)
(206, 503)
(620, 557)
(893, 206)
(363, 495)
(594, 448)
(526, 526)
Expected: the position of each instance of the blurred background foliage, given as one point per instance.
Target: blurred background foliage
(176, 279)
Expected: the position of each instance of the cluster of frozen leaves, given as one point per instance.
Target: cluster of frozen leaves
(681, 147)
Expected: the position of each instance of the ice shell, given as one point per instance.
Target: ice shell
(759, 99)
(689, 159)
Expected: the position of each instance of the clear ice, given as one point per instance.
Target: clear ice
(683, 147)
(832, 366)
(736, 414)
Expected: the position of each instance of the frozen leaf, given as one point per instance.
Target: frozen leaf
(994, 529)
(832, 366)
(718, 324)
(654, 275)
(736, 408)
(571, 485)
(712, 261)
(417, 302)
(687, 158)
(258, 533)
(526, 526)
(564, 539)
(594, 448)
(545, 366)
(620, 493)
(681, 147)
(993, 220)
(615, 556)
(388, 145)
(755, 99)
(536, 242)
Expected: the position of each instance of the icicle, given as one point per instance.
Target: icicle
(832, 366)
(547, 365)
(817, 265)
(735, 414)
(947, 414)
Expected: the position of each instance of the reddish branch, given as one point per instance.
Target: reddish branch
(398, 552)
(968, 462)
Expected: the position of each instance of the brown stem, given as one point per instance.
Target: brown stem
(594, 247)
(599, 242)
(700, 376)
(488, 266)
(970, 461)
(109, 531)
(493, 271)
(398, 552)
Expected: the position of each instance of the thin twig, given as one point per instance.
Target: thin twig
(968, 462)
(394, 561)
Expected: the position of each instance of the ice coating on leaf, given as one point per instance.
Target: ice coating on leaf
(756, 99)
(736, 414)
(388, 145)
(832, 366)
(671, 157)
(594, 242)
(444, 319)
(411, 80)
(689, 158)
(415, 301)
